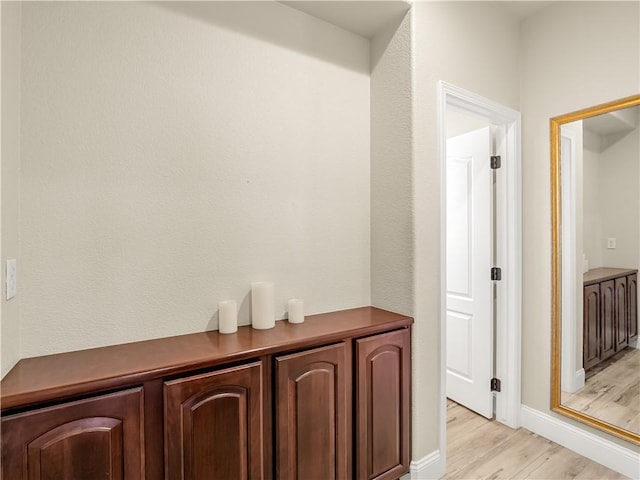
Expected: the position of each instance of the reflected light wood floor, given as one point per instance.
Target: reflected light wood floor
(612, 394)
(478, 448)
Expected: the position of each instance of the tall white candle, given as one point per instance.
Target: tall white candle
(262, 306)
(227, 316)
(295, 306)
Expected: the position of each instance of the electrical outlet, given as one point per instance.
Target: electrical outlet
(11, 278)
(611, 243)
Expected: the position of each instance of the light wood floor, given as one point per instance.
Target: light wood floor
(478, 448)
(613, 393)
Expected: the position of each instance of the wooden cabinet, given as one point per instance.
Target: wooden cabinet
(101, 437)
(257, 404)
(383, 371)
(214, 425)
(610, 311)
(313, 405)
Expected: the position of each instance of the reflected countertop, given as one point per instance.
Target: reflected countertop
(597, 275)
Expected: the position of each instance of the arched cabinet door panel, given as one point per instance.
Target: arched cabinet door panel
(383, 379)
(97, 438)
(591, 329)
(632, 306)
(313, 406)
(621, 313)
(214, 426)
(607, 319)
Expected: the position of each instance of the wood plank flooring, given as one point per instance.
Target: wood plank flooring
(612, 394)
(478, 448)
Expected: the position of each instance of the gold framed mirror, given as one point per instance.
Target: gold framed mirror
(595, 215)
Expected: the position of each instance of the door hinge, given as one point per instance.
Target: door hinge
(496, 162)
(496, 273)
(495, 385)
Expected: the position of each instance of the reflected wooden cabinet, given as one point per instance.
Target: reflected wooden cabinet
(313, 412)
(210, 406)
(214, 425)
(610, 310)
(101, 437)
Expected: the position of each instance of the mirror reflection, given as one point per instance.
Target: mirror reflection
(599, 236)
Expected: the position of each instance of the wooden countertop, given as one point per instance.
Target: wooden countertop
(54, 377)
(601, 274)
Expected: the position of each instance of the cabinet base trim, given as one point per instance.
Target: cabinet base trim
(575, 382)
(587, 444)
(431, 466)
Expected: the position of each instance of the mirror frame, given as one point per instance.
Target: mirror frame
(556, 266)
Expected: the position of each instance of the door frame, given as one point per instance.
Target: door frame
(573, 375)
(509, 238)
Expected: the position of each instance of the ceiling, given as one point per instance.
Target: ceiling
(366, 18)
(523, 10)
(617, 122)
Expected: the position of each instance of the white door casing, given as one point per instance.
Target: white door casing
(572, 371)
(469, 287)
(509, 239)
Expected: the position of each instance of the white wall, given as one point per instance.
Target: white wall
(620, 164)
(452, 43)
(10, 185)
(174, 153)
(574, 55)
(592, 238)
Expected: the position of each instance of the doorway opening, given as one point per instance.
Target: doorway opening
(481, 231)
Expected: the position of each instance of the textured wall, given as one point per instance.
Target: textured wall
(592, 48)
(391, 169)
(10, 215)
(174, 153)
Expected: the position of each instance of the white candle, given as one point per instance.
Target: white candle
(228, 316)
(296, 310)
(262, 306)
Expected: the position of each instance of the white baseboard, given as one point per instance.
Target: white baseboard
(430, 467)
(580, 378)
(574, 382)
(594, 447)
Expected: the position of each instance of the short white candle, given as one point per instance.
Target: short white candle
(295, 306)
(228, 316)
(262, 306)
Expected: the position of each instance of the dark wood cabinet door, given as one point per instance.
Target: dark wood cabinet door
(621, 320)
(607, 319)
(313, 402)
(96, 438)
(632, 307)
(383, 379)
(214, 426)
(591, 334)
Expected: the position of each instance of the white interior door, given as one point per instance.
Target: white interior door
(469, 262)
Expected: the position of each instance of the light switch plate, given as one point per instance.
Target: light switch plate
(12, 282)
(611, 243)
